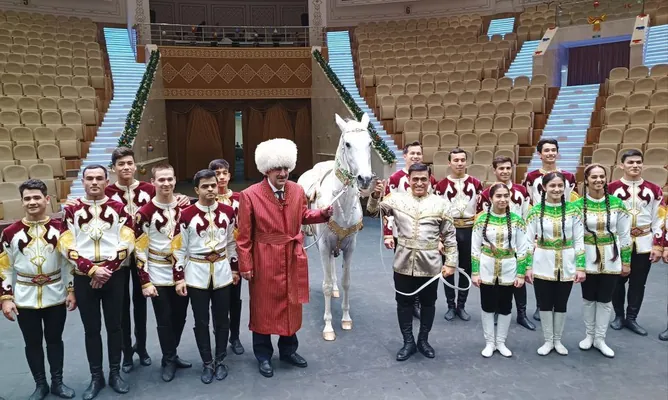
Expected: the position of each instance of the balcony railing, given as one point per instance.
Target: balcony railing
(576, 12)
(230, 36)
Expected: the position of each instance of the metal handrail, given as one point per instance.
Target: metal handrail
(216, 35)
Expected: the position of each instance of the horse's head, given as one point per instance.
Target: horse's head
(354, 150)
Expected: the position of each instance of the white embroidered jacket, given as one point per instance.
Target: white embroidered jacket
(205, 251)
(643, 201)
(154, 231)
(32, 271)
(98, 233)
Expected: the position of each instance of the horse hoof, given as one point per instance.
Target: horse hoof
(329, 336)
(336, 294)
(346, 325)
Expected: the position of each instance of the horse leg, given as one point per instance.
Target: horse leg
(346, 320)
(335, 285)
(327, 267)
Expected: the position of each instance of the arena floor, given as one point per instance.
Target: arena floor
(360, 364)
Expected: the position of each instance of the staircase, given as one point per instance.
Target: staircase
(656, 46)
(341, 62)
(523, 62)
(126, 75)
(501, 26)
(568, 123)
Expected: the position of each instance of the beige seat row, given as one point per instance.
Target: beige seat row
(64, 44)
(629, 86)
(655, 156)
(34, 50)
(636, 101)
(642, 118)
(400, 112)
(480, 69)
(64, 136)
(45, 80)
(612, 138)
(432, 48)
(18, 90)
(42, 40)
(85, 106)
(11, 207)
(638, 72)
(27, 155)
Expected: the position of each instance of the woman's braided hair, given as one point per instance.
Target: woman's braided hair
(493, 190)
(546, 179)
(587, 172)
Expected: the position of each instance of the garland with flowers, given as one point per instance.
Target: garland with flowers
(378, 143)
(141, 98)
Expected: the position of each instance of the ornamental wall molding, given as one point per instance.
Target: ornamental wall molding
(265, 93)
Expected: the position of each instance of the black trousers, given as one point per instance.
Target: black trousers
(89, 300)
(407, 284)
(47, 324)
(497, 298)
(640, 266)
(170, 316)
(553, 295)
(599, 287)
(464, 250)
(264, 350)
(138, 310)
(219, 301)
(235, 310)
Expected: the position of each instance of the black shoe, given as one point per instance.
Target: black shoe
(536, 315)
(525, 322)
(406, 351)
(41, 391)
(117, 383)
(221, 371)
(128, 364)
(168, 371)
(61, 390)
(96, 384)
(496, 318)
(424, 347)
(462, 314)
(416, 309)
(266, 369)
(663, 335)
(295, 359)
(144, 358)
(207, 372)
(181, 364)
(450, 314)
(617, 323)
(633, 326)
(237, 347)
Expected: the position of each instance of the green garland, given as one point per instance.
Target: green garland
(378, 143)
(134, 116)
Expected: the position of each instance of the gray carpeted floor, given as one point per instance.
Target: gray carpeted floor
(360, 364)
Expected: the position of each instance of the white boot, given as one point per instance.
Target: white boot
(589, 315)
(603, 313)
(501, 335)
(559, 321)
(547, 324)
(488, 331)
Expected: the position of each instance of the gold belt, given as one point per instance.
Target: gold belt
(209, 258)
(641, 230)
(37, 279)
(159, 257)
(463, 222)
(417, 244)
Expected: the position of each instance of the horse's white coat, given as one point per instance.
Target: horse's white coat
(354, 156)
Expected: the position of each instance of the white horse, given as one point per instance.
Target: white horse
(350, 173)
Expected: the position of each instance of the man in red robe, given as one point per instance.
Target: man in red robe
(271, 253)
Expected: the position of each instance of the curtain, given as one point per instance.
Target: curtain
(199, 131)
(303, 139)
(592, 64)
(253, 127)
(203, 140)
(583, 65)
(613, 55)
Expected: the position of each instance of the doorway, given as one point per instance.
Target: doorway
(591, 64)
